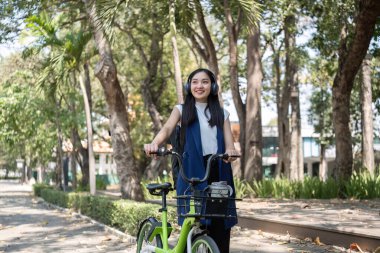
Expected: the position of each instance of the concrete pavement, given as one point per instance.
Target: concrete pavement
(29, 225)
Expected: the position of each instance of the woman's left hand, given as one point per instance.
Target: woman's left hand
(233, 155)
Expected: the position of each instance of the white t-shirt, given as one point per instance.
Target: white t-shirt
(208, 134)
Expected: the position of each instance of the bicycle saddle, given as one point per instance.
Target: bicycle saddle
(156, 189)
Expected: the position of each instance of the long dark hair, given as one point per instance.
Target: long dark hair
(189, 112)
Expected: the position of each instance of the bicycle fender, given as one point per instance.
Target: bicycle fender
(150, 219)
(156, 228)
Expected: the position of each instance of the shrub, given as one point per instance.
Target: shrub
(363, 186)
(360, 186)
(125, 215)
(100, 185)
(37, 188)
(243, 188)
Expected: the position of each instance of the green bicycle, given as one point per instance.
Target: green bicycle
(153, 235)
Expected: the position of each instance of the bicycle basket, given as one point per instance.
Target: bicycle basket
(201, 205)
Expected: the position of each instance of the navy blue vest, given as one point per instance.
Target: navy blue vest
(194, 167)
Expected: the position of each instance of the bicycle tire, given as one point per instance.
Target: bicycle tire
(142, 236)
(204, 244)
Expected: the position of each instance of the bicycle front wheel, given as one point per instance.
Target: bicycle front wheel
(204, 244)
(143, 236)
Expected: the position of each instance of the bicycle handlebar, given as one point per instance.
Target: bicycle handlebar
(164, 152)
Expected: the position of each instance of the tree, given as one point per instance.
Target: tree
(27, 131)
(291, 81)
(63, 63)
(106, 72)
(234, 13)
(352, 50)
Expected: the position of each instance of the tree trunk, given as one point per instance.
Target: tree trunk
(283, 164)
(296, 152)
(253, 129)
(234, 82)
(82, 157)
(79, 153)
(73, 162)
(350, 58)
(90, 150)
(323, 170)
(367, 117)
(177, 66)
(59, 151)
(87, 82)
(281, 114)
(292, 83)
(29, 172)
(24, 177)
(106, 72)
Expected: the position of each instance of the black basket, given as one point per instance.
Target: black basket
(206, 206)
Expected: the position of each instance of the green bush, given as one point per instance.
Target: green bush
(100, 185)
(37, 188)
(125, 215)
(242, 188)
(360, 186)
(363, 186)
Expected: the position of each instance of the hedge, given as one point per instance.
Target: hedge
(124, 215)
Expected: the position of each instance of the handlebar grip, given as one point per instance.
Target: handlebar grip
(226, 156)
(162, 151)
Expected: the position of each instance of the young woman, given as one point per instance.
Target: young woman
(207, 132)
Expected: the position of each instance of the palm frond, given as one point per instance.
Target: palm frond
(252, 11)
(107, 11)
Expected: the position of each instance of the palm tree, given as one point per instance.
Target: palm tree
(63, 65)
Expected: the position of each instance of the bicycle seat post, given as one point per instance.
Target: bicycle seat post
(164, 216)
(163, 204)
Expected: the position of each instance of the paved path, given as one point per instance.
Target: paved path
(30, 225)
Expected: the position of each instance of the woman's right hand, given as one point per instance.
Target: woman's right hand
(149, 148)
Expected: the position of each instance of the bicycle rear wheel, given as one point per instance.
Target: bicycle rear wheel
(143, 236)
(204, 244)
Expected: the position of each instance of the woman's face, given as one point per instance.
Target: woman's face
(201, 87)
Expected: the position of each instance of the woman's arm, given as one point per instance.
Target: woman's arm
(164, 133)
(229, 141)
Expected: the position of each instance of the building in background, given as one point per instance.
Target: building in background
(311, 150)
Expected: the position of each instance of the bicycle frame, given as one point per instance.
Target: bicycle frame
(164, 231)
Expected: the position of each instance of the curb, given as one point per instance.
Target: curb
(111, 230)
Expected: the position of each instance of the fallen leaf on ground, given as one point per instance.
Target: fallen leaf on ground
(106, 239)
(355, 246)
